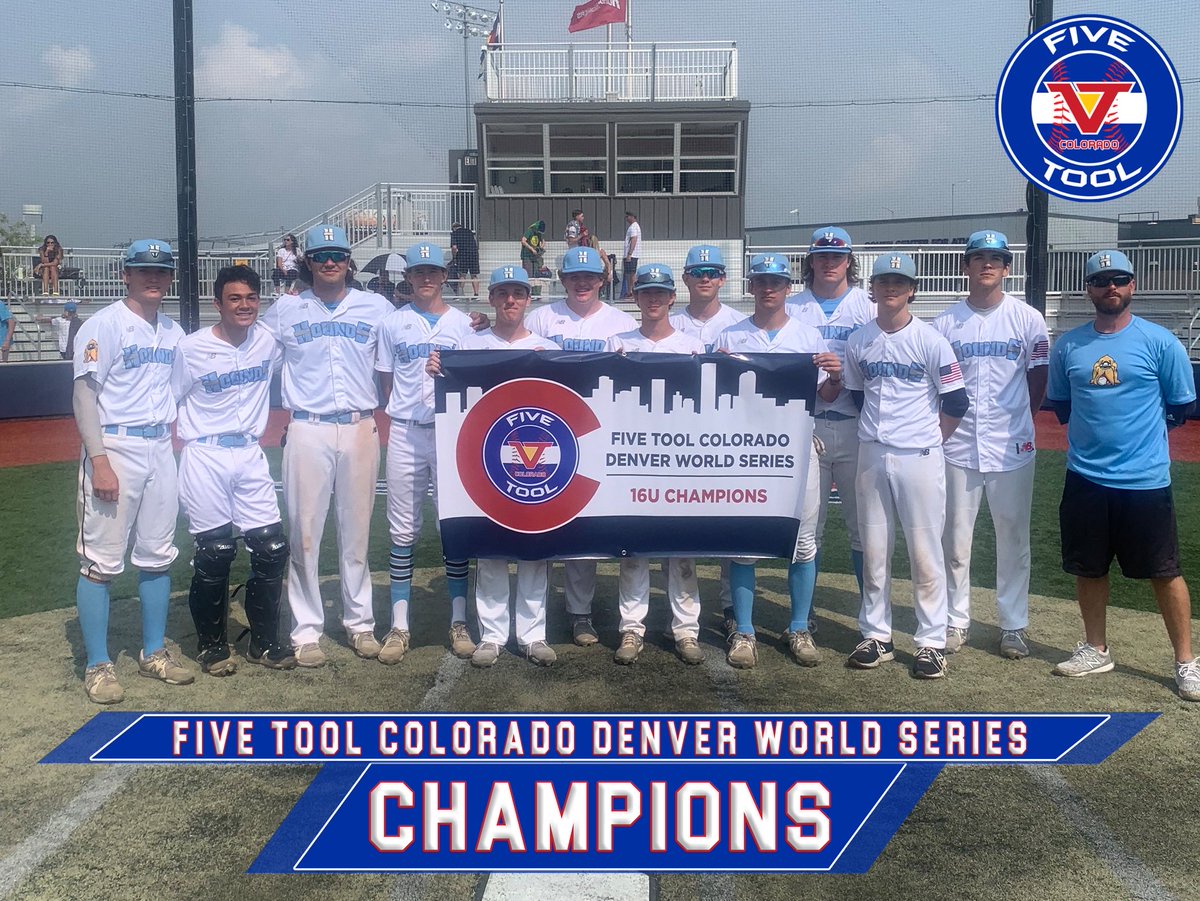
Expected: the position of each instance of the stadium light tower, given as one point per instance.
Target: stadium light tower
(470, 22)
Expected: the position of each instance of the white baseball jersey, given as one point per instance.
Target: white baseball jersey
(706, 330)
(131, 360)
(995, 349)
(489, 340)
(328, 356)
(570, 331)
(222, 389)
(902, 374)
(843, 317)
(807, 310)
(405, 339)
(62, 330)
(636, 342)
(794, 337)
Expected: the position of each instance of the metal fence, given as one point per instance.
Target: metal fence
(628, 72)
(389, 214)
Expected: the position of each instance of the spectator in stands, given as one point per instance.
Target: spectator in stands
(466, 258)
(632, 248)
(352, 276)
(573, 234)
(533, 248)
(287, 262)
(64, 328)
(594, 242)
(8, 326)
(50, 257)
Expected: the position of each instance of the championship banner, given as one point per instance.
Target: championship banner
(594, 13)
(556, 455)
(590, 793)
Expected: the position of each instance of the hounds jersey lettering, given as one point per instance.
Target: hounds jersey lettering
(844, 317)
(406, 339)
(131, 360)
(222, 389)
(636, 342)
(706, 330)
(995, 348)
(902, 375)
(570, 331)
(328, 355)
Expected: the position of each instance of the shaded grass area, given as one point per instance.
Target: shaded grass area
(38, 563)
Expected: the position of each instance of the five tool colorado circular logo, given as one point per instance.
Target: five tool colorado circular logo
(518, 455)
(1089, 108)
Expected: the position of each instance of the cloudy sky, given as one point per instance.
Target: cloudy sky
(861, 109)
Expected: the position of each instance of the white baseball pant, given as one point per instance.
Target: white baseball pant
(1010, 497)
(323, 460)
(839, 464)
(220, 485)
(909, 485)
(529, 608)
(146, 509)
(411, 473)
(682, 591)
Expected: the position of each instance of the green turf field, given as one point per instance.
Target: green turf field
(37, 557)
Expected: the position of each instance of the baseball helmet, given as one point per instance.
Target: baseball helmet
(326, 237)
(149, 253)
(993, 241)
(70, 307)
(654, 275)
(1108, 261)
(512, 274)
(830, 239)
(581, 259)
(894, 264)
(769, 264)
(425, 254)
(704, 255)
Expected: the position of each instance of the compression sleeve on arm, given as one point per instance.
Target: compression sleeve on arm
(1177, 414)
(956, 403)
(1062, 410)
(859, 398)
(85, 401)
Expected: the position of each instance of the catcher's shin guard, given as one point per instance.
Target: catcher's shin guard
(268, 561)
(208, 598)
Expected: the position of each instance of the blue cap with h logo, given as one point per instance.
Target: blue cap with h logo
(582, 259)
(425, 254)
(654, 275)
(326, 237)
(149, 253)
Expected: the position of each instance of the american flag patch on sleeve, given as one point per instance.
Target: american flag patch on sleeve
(950, 374)
(1041, 351)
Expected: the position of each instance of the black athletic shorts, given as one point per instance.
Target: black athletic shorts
(1137, 526)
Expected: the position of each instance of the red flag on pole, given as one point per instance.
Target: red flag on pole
(594, 13)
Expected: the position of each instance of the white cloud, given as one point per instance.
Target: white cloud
(239, 66)
(71, 66)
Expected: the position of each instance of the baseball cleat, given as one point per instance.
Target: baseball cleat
(1014, 644)
(583, 633)
(630, 648)
(803, 648)
(743, 651)
(273, 657)
(395, 646)
(930, 663)
(310, 656)
(728, 624)
(1086, 661)
(365, 645)
(486, 654)
(870, 653)
(540, 653)
(689, 650)
(163, 666)
(956, 638)
(100, 683)
(461, 645)
(217, 661)
(1187, 679)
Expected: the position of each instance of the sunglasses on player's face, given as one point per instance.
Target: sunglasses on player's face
(1103, 281)
(706, 272)
(329, 256)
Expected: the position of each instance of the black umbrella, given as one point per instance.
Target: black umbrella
(379, 264)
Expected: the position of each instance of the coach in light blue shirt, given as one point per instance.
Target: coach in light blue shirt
(1119, 383)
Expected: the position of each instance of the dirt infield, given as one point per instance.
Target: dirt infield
(55, 440)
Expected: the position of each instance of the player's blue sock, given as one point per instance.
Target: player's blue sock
(802, 581)
(91, 600)
(741, 587)
(154, 590)
(401, 565)
(456, 584)
(856, 558)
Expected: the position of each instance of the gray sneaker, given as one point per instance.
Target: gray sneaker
(743, 651)
(1187, 679)
(1086, 661)
(540, 653)
(365, 645)
(163, 666)
(310, 656)
(689, 650)
(583, 633)
(803, 648)
(630, 648)
(1014, 644)
(955, 639)
(395, 646)
(486, 654)
(100, 683)
(461, 644)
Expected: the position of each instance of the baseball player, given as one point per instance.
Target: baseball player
(407, 337)
(1003, 348)
(771, 330)
(509, 296)
(329, 334)
(654, 289)
(124, 408)
(908, 384)
(583, 322)
(1119, 383)
(222, 381)
(832, 283)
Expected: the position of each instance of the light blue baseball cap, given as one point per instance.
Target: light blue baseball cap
(830, 239)
(654, 275)
(581, 259)
(994, 241)
(326, 237)
(1108, 261)
(769, 264)
(149, 253)
(511, 274)
(704, 255)
(425, 254)
(894, 264)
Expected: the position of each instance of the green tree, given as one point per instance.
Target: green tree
(15, 233)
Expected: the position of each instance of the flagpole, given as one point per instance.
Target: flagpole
(500, 28)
